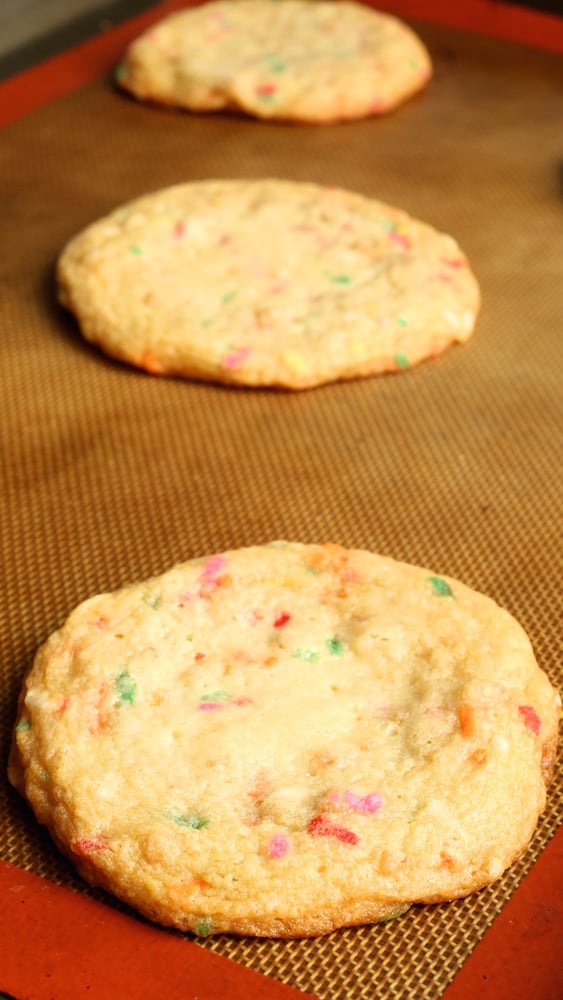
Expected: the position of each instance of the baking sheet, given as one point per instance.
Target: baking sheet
(110, 475)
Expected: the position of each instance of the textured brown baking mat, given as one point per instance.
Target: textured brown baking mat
(109, 474)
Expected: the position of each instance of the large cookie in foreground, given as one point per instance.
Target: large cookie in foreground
(288, 59)
(286, 739)
(267, 282)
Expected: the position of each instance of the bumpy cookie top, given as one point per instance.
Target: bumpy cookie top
(290, 59)
(267, 282)
(286, 739)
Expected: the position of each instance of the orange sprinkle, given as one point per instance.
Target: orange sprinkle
(466, 718)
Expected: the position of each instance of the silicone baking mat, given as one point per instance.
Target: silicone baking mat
(110, 474)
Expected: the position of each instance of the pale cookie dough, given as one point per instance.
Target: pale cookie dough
(286, 739)
(267, 282)
(290, 59)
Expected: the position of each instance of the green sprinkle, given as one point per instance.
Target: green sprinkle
(23, 725)
(413, 64)
(394, 915)
(401, 360)
(204, 927)
(189, 638)
(207, 321)
(126, 687)
(440, 587)
(153, 601)
(228, 296)
(335, 646)
(216, 696)
(401, 321)
(309, 655)
(120, 71)
(192, 821)
(338, 279)
(135, 249)
(275, 64)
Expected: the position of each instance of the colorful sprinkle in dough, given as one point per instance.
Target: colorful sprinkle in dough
(531, 718)
(335, 646)
(189, 820)
(330, 60)
(358, 803)
(126, 687)
(345, 301)
(203, 927)
(311, 738)
(322, 826)
(278, 846)
(440, 587)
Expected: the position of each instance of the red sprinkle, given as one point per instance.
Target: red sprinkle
(531, 718)
(282, 619)
(266, 89)
(199, 656)
(88, 846)
(453, 262)
(321, 826)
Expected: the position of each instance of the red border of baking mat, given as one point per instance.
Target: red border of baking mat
(54, 77)
(87, 946)
(73, 946)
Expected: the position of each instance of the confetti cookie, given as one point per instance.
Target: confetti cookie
(286, 739)
(288, 59)
(267, 282)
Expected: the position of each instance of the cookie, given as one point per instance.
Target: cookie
(267, 282)
(283, 59)
(286, 739)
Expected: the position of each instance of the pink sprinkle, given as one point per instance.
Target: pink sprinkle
(278, 287)
(236, 358)
(63, 705)
(180, 230)
(213, 706)
(363, 803)
(400, 240)
(376, 105)
(214, 566)
(531, 718)
(101, 622)
(350, 575)
(185, 598)
(278, 846)
(359, 803)
(282, 619)
(453, 262)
